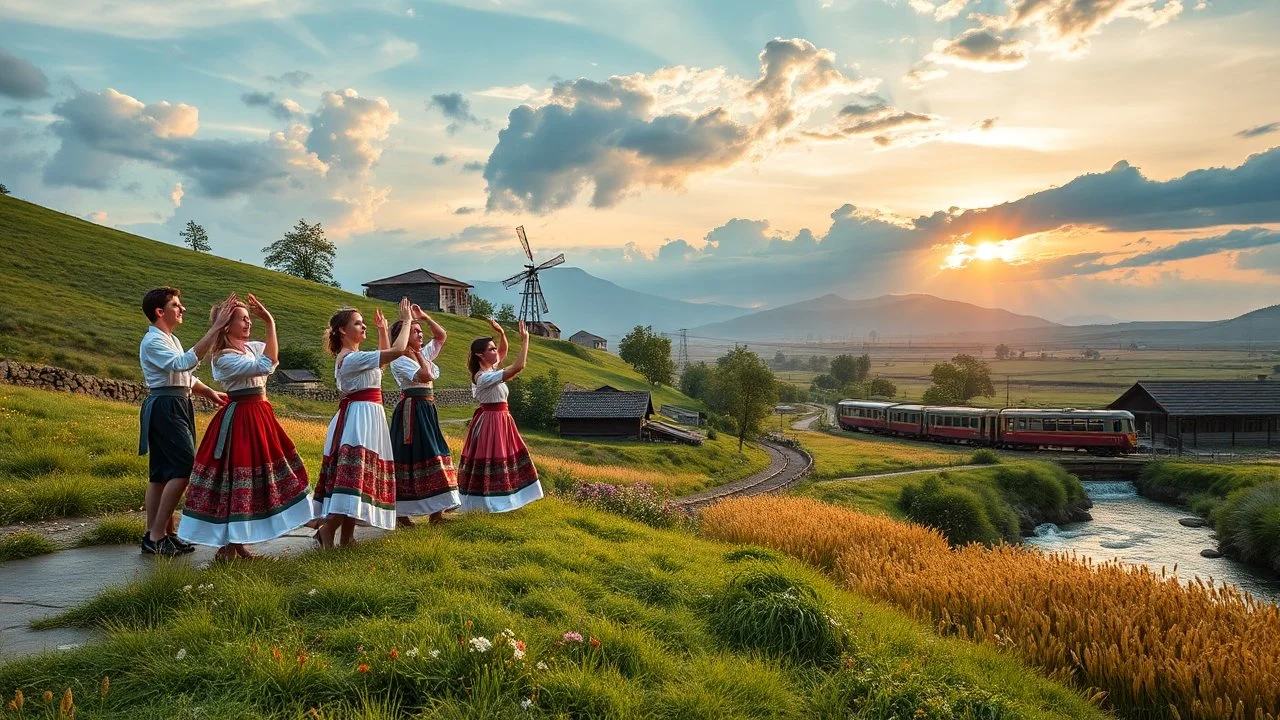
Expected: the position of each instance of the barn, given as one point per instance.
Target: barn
(603, 413)
(434, 292)
(588, 340)
(1200, 413)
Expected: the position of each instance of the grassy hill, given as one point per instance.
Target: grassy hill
(74, 292)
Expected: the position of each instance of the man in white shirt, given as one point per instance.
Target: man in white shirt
(168, 417)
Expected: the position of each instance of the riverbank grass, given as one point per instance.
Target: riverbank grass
(839, 454)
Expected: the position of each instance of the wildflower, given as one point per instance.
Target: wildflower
(302, 659)
(469, 624)
(595, 643)
(186, 588)
(526, 704)
(105, 687)
(362, 667)
(48, 696)
(18, 700)
(411, 652)
(394, 654)
(848, 663)
(13, 706)
(541, 665)
(517, 650)
(480, 644)
(311, 592)
(182, 653)
(833, 621)
(572, 636)
(67, 703)
(435, 653)
(314, 713)
(276, 654)
(508, 634)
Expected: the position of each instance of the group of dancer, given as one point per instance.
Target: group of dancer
(246, 484)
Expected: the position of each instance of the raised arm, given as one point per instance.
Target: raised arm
(225, 313)
(402, 338)
(380, 322)
(438, 335)
(273, 344)
(502, 338)
(424, 374)
(516, 367)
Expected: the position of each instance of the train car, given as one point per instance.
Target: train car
(975, 426)
(905, 420)
(864, 415)
(1100, 432)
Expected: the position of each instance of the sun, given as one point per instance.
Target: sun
(1002, 250)
(963, 254)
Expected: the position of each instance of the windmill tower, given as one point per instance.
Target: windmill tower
(532, 303)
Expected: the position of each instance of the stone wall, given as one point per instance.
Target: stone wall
(47, 377)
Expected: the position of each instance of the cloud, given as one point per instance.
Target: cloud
(1259, 130)
(464, 211)
(643, 130)
(175, 195)
(475, 166)
(922, 74)
(441, 159)
(1068, 25)
(1242, 239)
(20, 79)
(293, 78)
(854, 120)
(456, 108)
(987, 123)
(520, 93)
(979, 49)
(1123, 199)
(99, 217)
(1266, 260)
(282, 109)
(946, 11)
(346, 131)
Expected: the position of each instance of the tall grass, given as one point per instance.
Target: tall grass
(1153, 646)
(1248, 525)
(24, 544)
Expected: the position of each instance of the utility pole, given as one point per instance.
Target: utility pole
(1006, 391)
(684, 349)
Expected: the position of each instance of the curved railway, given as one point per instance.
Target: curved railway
(787, 465)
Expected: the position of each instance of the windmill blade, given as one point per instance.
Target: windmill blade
(515, 279)
(542, 301)
(557, 260)
(524, 241)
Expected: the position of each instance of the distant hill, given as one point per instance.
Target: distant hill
(582, 301)
(73, 294)
(1077, 320)
(889, 316)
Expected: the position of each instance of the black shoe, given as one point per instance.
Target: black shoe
(181, 544)
(148, 547)
(164, 546)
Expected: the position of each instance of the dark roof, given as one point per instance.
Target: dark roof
(605, 405)
(1206, 397)
(293, 375)
(417, 277)
(584, 335)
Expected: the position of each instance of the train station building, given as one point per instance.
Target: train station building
(1204, 413)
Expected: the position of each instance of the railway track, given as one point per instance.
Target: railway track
(786, 467)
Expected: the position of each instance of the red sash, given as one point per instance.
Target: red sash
(492, 407)
(366, 395)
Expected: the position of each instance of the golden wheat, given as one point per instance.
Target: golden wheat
(1155, 645)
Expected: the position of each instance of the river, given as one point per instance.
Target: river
(1133, 529)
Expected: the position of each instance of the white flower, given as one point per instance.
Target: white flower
(509, 633)
(517, 652)
(435, 653)
(526, 704)
(186, 588)
(541, 665)
(182, 654)
(480, 644)
(312, 591)
(411, 652)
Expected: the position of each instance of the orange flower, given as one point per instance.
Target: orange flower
(362, 667)
(275, 653)
(105, 687)
(302, 659)
(393, 654)
(48, 697)
(469, 624)
(848, 663)
(67, 702)
(595, 643)
(18, 699)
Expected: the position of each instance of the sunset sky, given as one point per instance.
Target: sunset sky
(1054, 157)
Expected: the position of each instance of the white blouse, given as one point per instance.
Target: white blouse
(489, 387)
(359, 371)
(243, 371)
(404, 368)
(163, 361)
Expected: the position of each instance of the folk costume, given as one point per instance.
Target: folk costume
(358, 476)
(168, 418)
(426, 481)
(496, 473)
(248, 484)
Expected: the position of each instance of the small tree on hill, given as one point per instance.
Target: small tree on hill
(849, 369)
(507, 314)
(195, 237)
(957, 381)
(480, 307)
(696, 380)
(303, 252)
(3, 190)
(745, 389)
(649, 353)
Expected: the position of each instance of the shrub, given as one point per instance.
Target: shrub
(1248, 525)
(24, 544)
(640, 502)
(960, 513)
(119, 530)
(301, 357)
(985, 456)
(762, 609)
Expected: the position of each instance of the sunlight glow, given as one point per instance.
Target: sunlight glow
(963, 254)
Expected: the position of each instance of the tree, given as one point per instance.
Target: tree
(874, 336)
(883, 387)
(744, 389)
(195, 237)
(480, 307)
(649, 353)
(826, 382)
(779, 360)
(533, 401)
(696, 381)
(507, 314)
(3, 190)
(303, 252)
(1003, 352)
(848, 369)
(957, 381)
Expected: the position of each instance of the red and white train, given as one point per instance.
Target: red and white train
(1099, 432)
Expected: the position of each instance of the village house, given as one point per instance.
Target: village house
(588, 340)
(1198, 413)
(545, 329)
(603, 413)
(432, 291)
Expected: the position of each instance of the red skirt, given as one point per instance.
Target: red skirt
(496, 473)
(248, 483)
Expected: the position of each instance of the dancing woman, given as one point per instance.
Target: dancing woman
(357, 484)
(496, 473)
(426, 483)
(248, 484)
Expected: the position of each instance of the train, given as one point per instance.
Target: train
(1098, 432)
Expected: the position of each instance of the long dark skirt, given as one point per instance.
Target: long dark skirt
(426, 481)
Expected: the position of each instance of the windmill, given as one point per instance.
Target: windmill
(532, 303)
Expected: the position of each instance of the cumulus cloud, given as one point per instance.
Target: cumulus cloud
(1259, 130)
(282, 109)
(1068, 25)
(980, 49)
(347, 130)
(175, 195)
(1123, 199)
(880, 120)
(657, 130)
(440, 159)
(20, 79)
(457, 109)
(944, 11)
